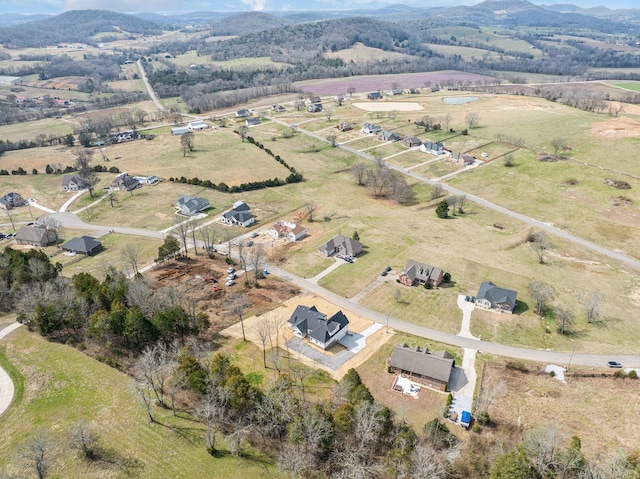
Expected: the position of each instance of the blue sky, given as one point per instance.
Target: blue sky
(59, 6)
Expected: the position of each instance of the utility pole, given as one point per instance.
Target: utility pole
(388, 311)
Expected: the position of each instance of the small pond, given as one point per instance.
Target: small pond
(459, 100)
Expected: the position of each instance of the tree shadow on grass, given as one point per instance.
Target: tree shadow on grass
(106, 458)
(521, 307)
(192, 434)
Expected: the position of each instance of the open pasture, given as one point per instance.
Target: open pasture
(360, 53)
(31, 130)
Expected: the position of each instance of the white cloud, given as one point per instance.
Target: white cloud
(256, 5)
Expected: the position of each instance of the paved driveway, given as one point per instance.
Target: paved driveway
(331, 361)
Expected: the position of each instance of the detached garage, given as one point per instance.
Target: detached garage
(84, 245)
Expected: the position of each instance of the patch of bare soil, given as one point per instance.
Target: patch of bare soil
(204, 280)
(620, 201)
(615, 128)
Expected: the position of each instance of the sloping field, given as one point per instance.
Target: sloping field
(59, 385)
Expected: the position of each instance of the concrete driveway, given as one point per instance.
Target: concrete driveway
(331, 361)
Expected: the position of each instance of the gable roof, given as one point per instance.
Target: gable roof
(436, 366)
(12, 199)
(35, 234)
(78, 180)
(351, 246)
(191, 204)
(84, 244)
(421, 271)
(497, 295)
(240, 212)
(308, 320)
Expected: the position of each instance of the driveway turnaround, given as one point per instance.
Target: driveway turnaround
(333, 362)
(6, 385)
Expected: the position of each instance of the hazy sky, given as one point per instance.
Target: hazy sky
(59, 6)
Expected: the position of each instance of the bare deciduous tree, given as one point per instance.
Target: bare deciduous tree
(437, 191)
(153, 370)
(542, 293)
(565, 318)
(236, 305)
(591, 303)
(543, 446)
(256, 259)
(131, 254)
(359, 172)
(472, 119)
(84, 439)
(427, 463)
(37, 453)
(540, 243)
(187, 141)
(208, 234)
(243, 131)
(310, 209)
(181, 230)
(332, 138)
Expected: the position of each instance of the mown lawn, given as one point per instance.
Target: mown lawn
(62, 385)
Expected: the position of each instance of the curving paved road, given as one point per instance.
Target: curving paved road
(593, 360)
(6, 385)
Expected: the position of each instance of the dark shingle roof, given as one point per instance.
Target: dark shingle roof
(84, 244)
(436, 366)
(314, 323)
(497, 295)
(422, 272)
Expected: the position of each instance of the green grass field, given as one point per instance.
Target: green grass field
(58, 385)
(633, 86)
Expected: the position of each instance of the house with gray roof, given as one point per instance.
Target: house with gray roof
(341, 245)
(239, 215)
(461, 159)
(430, 369)
(374, 95)
(420, 273)
(86, 245)
(495, 298)
(190, 205)
(434, 148)
(73, 183)
(36, 236)
(322, 331)
(244, 113)
(125, 182)
(411, 141)
(12, 200)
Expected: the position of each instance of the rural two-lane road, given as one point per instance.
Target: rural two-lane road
(634, 263)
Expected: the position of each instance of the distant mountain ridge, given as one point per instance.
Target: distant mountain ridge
(76, 26)
(79, 26)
